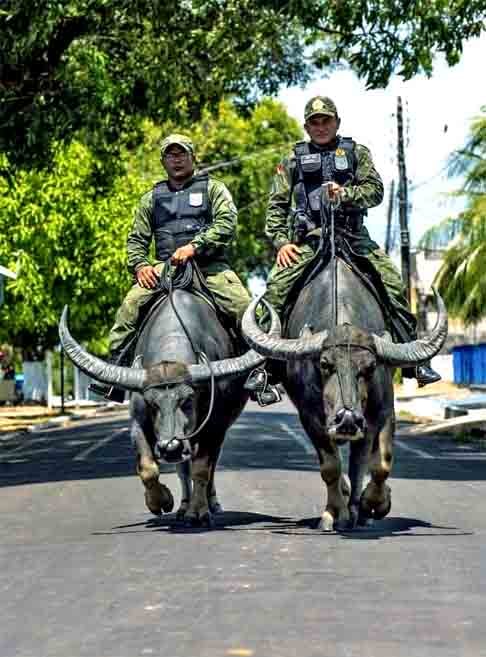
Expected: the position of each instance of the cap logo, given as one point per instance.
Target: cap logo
(317, 104)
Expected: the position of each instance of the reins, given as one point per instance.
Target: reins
(180, 279)
(330, 207)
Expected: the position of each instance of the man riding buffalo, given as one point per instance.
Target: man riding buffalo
(190, 217)
(185, 369)
(293, 221)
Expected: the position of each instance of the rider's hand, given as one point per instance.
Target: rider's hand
(147, 277)
(288, 254)
(333, 190)
(182, 254)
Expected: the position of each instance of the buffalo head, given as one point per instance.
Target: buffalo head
(348, 360)
(170, 391)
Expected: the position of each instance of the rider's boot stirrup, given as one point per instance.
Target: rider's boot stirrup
(260, 389)
(425, 375)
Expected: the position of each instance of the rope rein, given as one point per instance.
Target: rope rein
(330, 212)
(181, 279)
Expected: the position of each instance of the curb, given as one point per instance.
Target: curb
(60, 420)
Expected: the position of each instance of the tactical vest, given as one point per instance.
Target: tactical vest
(178, 216)
(312, 169)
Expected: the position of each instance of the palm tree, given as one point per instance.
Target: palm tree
(462, 277)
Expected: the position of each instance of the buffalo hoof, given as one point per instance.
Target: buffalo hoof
(207, 520)
(365, 522)
(373, 510)
(180, 514)
(353, 516)
(215, 507)
(182, 510)
(326, 523)
(191, 520)
(342, 525)
(158, 498)
(383, 509)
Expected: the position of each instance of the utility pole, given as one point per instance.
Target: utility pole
(403, 202)
(389, 218)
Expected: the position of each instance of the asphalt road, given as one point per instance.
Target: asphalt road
(86, 571)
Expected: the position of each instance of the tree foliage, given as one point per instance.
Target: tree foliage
(66, 236)
(462, 277)
(66, 242)
(100, 65)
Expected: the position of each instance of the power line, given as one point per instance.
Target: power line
(228, 163)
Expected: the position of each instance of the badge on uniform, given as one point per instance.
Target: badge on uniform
(341, 159)
(195, 199)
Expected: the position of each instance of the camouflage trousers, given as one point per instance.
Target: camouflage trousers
(228, 291)
(281, 280)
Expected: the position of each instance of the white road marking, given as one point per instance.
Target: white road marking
(303, 441)
(413, 450)
(100, 443)
(24, 446)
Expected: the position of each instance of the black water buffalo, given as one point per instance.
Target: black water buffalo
(174, 396)
(339, 375)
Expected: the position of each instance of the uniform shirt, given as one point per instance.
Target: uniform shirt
(219, 233)
(365, 192)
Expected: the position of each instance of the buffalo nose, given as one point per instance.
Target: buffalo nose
(349, 421)
(172, 450)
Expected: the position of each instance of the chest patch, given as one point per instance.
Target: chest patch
(195, 199)
(311, 162)
(341, 159)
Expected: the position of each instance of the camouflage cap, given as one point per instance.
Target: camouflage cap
(320, 105)
(176, 139)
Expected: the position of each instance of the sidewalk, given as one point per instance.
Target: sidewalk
(33, 417)
(420, 406)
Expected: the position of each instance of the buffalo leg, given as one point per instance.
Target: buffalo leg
(359, 453)
(336, 511)
(158, 497)
(213, 501)
(375, 501)
(184, 474)
(198, 511)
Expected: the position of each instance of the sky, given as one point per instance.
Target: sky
(451, 97)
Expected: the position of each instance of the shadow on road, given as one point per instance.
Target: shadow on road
(285, 526)
(258, 441)
(386, 528)
(223, 521)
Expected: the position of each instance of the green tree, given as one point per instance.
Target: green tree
(98, 66)
(462, 277)
(66, 242)
(66, 236)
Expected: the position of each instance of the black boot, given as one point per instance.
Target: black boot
(260, 388)
(423, 373)
(111, 393)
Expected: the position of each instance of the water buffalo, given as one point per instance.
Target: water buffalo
(339, 373)
(175, 397)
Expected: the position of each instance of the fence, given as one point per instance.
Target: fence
(469, 363)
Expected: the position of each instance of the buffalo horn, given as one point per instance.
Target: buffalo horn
(274, 346)
(238, 365)
(417, 351)
(122, 377)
